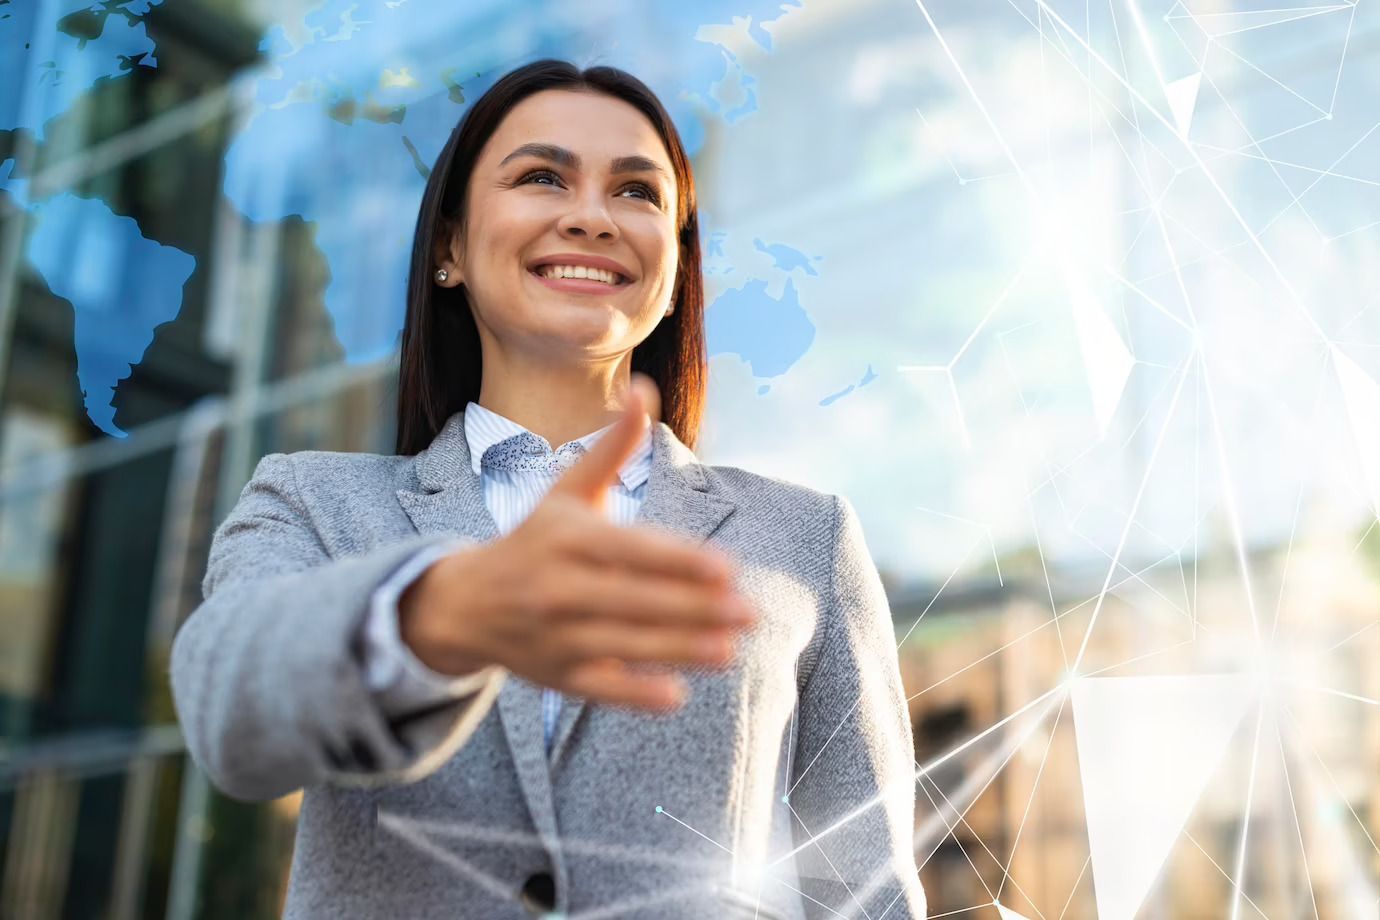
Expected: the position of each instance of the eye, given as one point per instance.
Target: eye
(648, 192)
(539, 174)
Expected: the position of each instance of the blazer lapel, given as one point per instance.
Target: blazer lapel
(678, 500)
(450, 500)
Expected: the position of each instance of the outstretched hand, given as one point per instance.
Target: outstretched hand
(571, 601)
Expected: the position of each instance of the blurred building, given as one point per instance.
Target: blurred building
(1007, 816)
(103, 540)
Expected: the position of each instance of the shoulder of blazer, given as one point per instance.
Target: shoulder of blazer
(330, 475)
(794, 515)
(349, 498)
(745, 487)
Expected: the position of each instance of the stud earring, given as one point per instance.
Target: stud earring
(441, 275)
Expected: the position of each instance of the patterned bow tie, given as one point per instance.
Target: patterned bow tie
(527, 453)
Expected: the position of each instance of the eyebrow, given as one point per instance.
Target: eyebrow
(570, 159)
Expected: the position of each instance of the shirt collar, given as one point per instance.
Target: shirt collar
(485, 428)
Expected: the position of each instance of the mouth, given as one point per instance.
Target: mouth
(579, 279)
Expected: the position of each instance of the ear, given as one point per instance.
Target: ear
(447, 252)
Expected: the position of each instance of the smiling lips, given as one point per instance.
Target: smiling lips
(580, 271)
(579, 285)
(578, 274)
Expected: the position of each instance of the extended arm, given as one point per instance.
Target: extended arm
(268, 673)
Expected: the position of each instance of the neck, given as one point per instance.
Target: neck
(559, 402)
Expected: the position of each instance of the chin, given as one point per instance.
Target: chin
(597, 325)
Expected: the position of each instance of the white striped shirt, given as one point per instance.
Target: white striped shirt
(399, 681)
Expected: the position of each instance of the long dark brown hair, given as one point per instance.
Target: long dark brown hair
(441, 364)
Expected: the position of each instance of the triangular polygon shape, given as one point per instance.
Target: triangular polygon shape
(1182, 96)
(1147, 747)
(1233, 22)
(1009, 914)
(1106, 360)
(1249, 58)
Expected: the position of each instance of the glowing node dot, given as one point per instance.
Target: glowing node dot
(658, 809)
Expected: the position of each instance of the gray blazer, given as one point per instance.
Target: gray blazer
(458, 812)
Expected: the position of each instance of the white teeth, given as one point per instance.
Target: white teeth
(578, 271)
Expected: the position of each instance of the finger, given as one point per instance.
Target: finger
(594, 639)
(649, 551)
(611, 682)
(590, 479)
(584, 593)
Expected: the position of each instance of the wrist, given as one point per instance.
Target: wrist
(432, 623)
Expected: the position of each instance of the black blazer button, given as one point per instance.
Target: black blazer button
(538, 894)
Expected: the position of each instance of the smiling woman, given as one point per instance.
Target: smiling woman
(499, 669)
(549, 176)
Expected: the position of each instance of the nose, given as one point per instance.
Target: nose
(589, 217)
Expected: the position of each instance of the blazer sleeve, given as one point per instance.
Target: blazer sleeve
(268, 676)
(853, 770)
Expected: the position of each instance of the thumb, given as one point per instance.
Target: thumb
(590, 479)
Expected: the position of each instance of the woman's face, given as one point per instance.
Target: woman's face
(570, 181)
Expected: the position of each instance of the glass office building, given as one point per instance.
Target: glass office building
(1072, 301)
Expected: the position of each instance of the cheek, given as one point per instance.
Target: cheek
(660, 251)
(498, 230)
(672, 263)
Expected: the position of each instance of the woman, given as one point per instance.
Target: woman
(604, 680)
